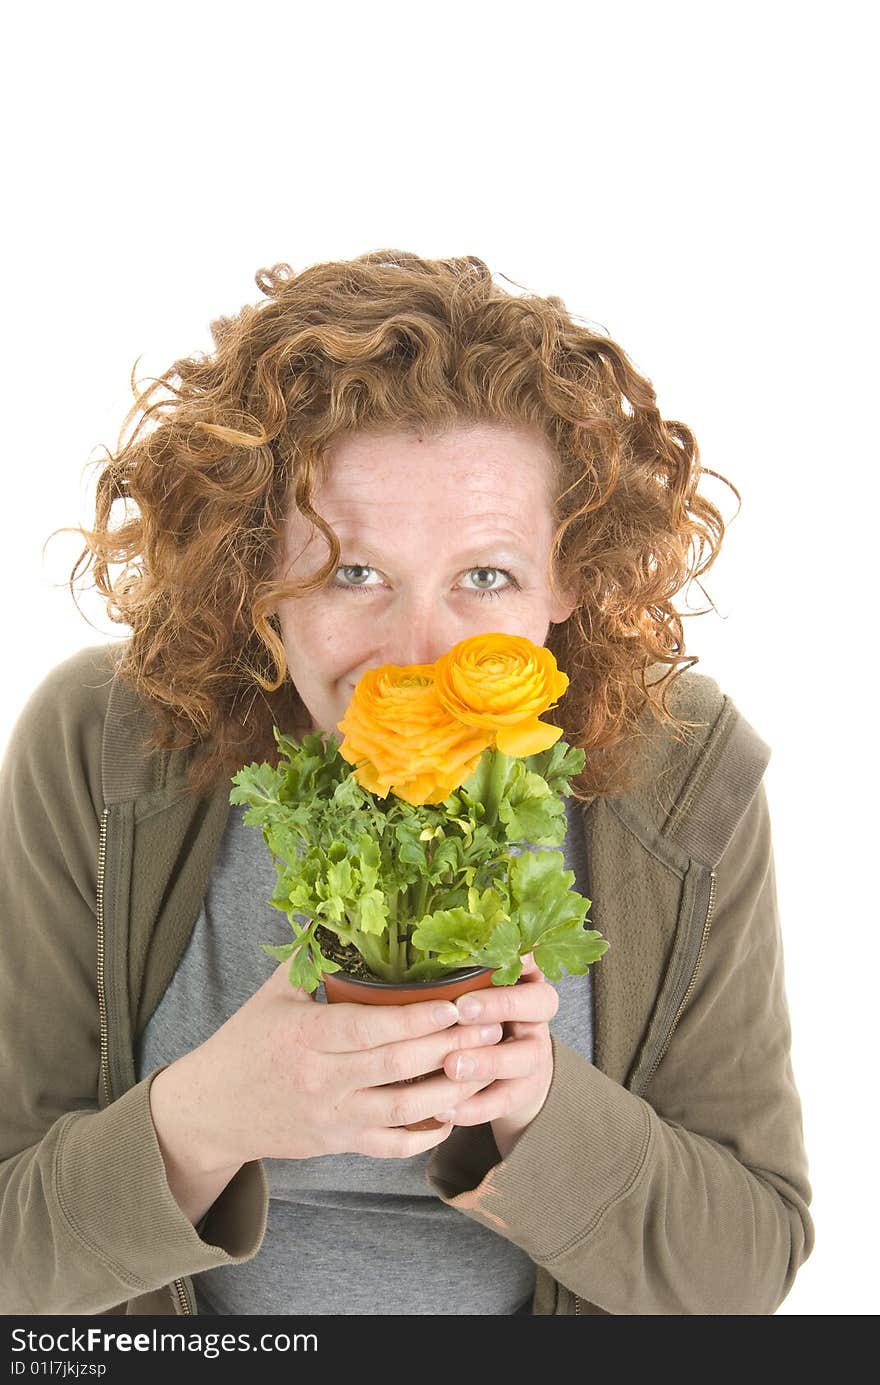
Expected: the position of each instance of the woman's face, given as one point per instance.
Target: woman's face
(441, 538)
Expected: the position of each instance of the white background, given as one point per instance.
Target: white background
(696, 179)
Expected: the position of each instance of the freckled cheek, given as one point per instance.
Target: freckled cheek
(333, 645)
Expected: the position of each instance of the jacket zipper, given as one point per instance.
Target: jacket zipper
(180, 1290)
(179, 1286)
(102, 996)
(693, 981)
(681, 1008)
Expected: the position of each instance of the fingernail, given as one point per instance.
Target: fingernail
(464, 1066)
(488, 1033)
(445, 1116)
(469, 1007)
(445, 1014)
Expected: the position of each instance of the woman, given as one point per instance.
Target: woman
(387, 456)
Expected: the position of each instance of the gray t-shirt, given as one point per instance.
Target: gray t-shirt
(346, 1233)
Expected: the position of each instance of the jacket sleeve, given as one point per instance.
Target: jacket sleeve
(87, 1219)
(693, 1198)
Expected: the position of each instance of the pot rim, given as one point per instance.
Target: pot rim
(462, 975)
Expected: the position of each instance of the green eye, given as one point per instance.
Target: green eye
(510, 583)
(354, 567)
(354, 577)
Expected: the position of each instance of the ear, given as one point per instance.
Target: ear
(561, 611)
(562, 603)
(563, 600)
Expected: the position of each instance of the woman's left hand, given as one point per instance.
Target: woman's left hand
(521, 1064)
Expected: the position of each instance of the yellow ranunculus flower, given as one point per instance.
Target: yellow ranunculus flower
(401, 738)
(501, 684)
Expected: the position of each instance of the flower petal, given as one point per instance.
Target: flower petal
(528, 738)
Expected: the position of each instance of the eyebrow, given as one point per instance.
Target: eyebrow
(500, 550)
(506, 547)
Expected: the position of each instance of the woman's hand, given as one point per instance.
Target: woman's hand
(288, 1078)
(514, 1074)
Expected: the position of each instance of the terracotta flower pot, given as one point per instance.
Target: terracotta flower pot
(340, 987)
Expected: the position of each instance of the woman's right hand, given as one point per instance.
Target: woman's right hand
(287, 1077)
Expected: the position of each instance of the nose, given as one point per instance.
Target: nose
(415, 645)
(416, 632)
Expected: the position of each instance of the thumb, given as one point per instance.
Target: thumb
(530, 970)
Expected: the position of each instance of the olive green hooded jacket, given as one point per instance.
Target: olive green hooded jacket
(667, 1177)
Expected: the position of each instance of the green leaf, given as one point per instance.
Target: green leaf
(304, 972)
(285, 838)
(372, 912)
(452, 931)
(502, 952)
(481, 933)
(369, 861)
(410, 850)
(295, 896)
(447, 857)
(339, 877)
(537, 820)
(308, 964)
(456, 899)
(571, 947)
(256, 784)
(557, 765)
(550, 914)
(541, 895)
(348, 796)
(332, 909)
(280, 954)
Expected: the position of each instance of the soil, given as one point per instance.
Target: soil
(348, 958)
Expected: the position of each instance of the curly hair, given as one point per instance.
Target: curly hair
(226, 442)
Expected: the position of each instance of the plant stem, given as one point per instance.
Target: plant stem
(372, 951)
(393, 946)
(419, 913)
(498, 772)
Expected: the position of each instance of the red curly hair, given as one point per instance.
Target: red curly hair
(384, 341)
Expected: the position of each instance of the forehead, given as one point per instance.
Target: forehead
(494, 468)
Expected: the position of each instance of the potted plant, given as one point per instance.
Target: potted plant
(414, 849)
